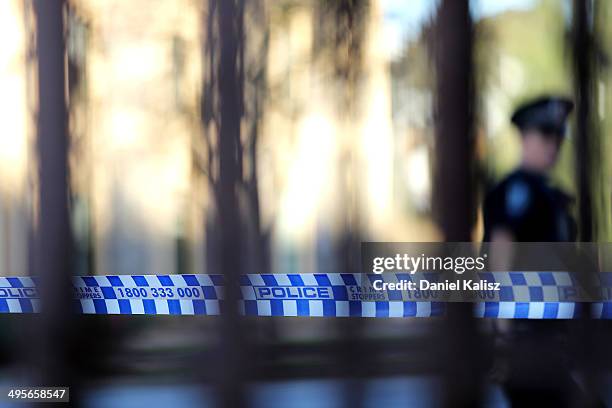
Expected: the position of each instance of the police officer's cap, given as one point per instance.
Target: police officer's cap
(547, 114)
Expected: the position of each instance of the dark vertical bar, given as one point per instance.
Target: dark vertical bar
(352, 351)
(454, 152)
(52, 241)
(583, 331)
(230, 114)
(583, 86)
(454, 189)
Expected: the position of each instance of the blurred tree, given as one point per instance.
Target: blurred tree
(80, 157)
(229, 148)
(340, 39)
(250, 79)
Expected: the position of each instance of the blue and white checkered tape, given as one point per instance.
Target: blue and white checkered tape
(308, 294)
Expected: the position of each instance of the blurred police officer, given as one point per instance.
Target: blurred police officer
(525, 207)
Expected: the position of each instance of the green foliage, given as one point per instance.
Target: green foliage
(519, 55)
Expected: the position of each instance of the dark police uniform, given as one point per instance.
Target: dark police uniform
(526, 205)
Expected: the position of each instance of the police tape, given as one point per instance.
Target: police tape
(532, 295)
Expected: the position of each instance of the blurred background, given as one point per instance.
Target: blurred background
(312, 125)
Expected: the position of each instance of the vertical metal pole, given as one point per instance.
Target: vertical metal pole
(230, 114)
(52, 241)
(585, 337)
(583, 85)
(454, 181)
(454, 150)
